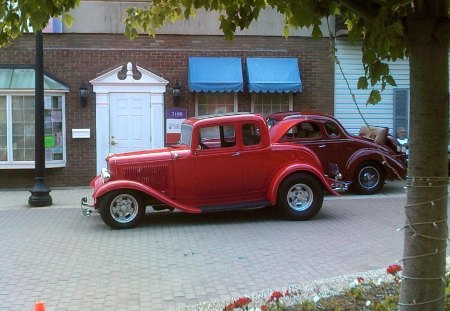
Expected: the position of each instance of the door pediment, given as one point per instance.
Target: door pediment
(129, 78)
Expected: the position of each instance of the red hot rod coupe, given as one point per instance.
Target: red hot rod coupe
(362, 161)
(220, 163)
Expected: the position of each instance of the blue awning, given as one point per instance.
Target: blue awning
(273, 75)
(215, 74)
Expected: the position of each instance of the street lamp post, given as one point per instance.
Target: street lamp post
(40, 193)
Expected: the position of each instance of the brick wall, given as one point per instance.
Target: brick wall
(76, 57)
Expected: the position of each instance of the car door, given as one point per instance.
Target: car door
(217, 162)
(258, 162)
(330, 144)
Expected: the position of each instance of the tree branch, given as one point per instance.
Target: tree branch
(368, 10)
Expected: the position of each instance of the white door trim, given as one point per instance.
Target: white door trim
(109, 83)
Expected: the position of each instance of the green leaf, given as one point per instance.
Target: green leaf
(362, 83)
(67, 20)
(390, 80)
(374, 97)
(316, 32)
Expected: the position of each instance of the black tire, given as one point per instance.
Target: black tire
(122, 209)
(300, 196)
(369, 178)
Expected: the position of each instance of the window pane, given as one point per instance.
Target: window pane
(215, 103)
(53, 128)
(222, 136)
(3, 130)
(23, 128)
(251, 134)
(267, 103)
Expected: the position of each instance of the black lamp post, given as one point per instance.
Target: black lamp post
(176, 93)
(83, 94)
(40, 193)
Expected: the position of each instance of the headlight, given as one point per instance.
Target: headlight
(106, 176)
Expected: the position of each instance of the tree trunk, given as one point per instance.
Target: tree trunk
(423, 286)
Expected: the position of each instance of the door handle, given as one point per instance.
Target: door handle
(237, 154)
(322, 146)
(113, 143)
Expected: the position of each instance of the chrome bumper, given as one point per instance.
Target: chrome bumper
(340, 186)
(86, 209)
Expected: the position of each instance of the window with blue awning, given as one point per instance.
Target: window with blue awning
(273, 75)
(215, 74)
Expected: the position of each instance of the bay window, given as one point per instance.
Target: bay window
(17, 130)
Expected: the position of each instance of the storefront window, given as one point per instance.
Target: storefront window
(23, 128)
(3, 130)
(18, 128)
(215, 103)
(267, 103)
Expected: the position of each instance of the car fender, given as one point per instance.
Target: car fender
(365, 155)
(128, 184)
(282, 173)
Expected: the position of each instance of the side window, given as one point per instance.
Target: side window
(307, 130)
(331, 129)
(214, 137)
(251, 134)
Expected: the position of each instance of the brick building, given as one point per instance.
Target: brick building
(141, 74)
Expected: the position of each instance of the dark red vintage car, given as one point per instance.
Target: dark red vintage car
(220, 163)
(363, 161)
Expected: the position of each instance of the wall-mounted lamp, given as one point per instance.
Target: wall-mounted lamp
(176, 92)
(83, 94)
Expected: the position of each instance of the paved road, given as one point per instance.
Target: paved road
(174, 260)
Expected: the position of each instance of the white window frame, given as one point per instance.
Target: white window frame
(235, 103)
(291, 101)
(10, 164)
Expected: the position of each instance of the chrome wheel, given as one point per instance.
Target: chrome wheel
(124, 208)
(300, 197)
(369, 177)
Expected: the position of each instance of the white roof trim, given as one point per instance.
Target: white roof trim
(147, 79)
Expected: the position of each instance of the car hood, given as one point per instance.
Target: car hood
(158, 154)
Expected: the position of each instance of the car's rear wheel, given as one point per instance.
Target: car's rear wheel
(122, 209)
(300, 196)
(369, 178)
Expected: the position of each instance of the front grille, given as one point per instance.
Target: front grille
(154, 176)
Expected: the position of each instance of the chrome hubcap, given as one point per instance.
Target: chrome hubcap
(369, 177)
(124, 208)
(300, 197)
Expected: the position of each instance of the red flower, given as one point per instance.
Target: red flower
(264, 308)
(242, 302)
(229, 307)
(393, 269)
(239, 303)
(275, 296)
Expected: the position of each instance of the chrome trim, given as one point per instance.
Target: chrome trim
(340, 186)
(106, 176)
(86, 209)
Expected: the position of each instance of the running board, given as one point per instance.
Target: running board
(227, 207)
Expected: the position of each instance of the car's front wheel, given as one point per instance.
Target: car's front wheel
(369, 178)
(300, 196)
(122, 209)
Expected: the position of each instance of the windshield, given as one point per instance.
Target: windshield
(186, 134)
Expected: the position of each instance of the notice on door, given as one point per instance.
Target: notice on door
(174, 118)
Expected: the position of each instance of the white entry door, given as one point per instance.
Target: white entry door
(129, 122)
